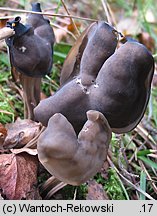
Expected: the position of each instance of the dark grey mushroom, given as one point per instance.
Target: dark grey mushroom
(119, 87)
(31, 50)
(88, 54)
(73, 159)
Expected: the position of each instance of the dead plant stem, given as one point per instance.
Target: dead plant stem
(47, 14)
(71, 19)
(129, 182)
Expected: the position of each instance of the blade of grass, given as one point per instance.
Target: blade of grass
(123, 187)
(129, 182)
(146, 152)
(148, 161)
(57, 9)
(148, 176)
(142, 184)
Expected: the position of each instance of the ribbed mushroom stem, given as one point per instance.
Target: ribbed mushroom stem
(31, 94)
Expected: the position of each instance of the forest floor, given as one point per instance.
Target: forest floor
(130, 172)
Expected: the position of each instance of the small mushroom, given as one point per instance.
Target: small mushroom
(73, 159)
(120, 89)
(31, 49)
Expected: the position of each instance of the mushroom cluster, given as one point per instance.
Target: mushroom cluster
(110, 87)
(97, 76)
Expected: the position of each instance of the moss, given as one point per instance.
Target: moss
(112, 186)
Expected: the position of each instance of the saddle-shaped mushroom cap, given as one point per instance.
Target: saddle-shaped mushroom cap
(120, 89)
(88, 54)
(41, 25)
(73, 159)
(124, 84)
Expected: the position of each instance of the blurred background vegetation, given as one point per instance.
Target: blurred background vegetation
(131, 169)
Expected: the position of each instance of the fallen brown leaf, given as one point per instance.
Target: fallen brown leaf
(3, 134)
(147, 40)
(28, 150)
(96, 191)
(104, 170)
(3, 21)
(60, 34)
(71, 27)
(134, 27)
(18, 176)
(42, 95)
(20, 133)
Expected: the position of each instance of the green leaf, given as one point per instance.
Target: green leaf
(143, 184)
(143, 152)
(60, 52)
(59, 55)
(148, 161)
(4, 59)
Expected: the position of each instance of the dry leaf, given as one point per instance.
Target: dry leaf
(18, 174)
(59, 34)
(20, 133)
(147, 40)
(42, 95)
(28, 150)
(3, 20)
(71, 27)
(3, 134)
(129, 26)
(96, 191)
(104, 170)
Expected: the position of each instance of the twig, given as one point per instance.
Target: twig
(16, 88)
(55, 189)
(145, 135)
(6, 17)
(75, 194)
(47, 14)
(150, 108)
(49, 183)
(153, 155)
(121, 166)
(129, 182)
(33, 142)
(6, 112)
(69, 32)
(149, 177)
(112, 14)
(135, 153)
(53, 185)
(104, 3)
(6, 32)
(72, 21)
